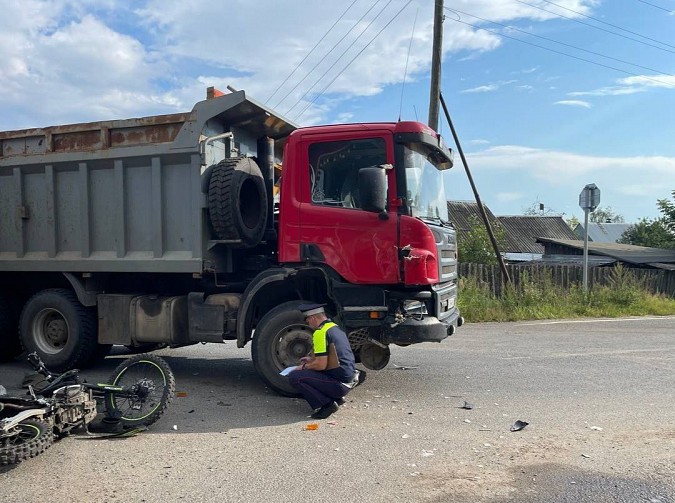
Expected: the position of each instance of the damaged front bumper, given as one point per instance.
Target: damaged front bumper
(424, 328)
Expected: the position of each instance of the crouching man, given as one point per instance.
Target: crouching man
(326, 377)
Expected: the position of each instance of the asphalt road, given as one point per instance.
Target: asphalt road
(599, 397)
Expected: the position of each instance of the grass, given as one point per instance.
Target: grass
(538, 298)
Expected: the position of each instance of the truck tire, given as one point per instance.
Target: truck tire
(281, 338)
(59, 329)
(238, 201)
(10, 347)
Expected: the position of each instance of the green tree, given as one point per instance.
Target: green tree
(572, 222)
(605, 215)
(475, 247)
(651, 233)
(656, 233)
(667, 209)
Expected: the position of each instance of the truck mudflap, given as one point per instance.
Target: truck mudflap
(423, 329)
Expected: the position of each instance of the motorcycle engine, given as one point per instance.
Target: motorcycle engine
(74, 406)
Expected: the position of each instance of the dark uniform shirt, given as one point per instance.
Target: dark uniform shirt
(327, 333)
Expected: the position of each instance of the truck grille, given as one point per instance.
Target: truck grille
(446, 242)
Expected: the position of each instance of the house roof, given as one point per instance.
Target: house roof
(638, 255)
(602, 232)
(522, 232)
(461, 213)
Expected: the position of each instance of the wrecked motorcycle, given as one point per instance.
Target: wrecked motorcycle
(136, 395)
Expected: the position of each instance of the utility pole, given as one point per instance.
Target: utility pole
(437, 51)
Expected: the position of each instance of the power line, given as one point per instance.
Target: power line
(337, 60)
(595, 27)
(561, 43)
(608, 24)
(310, 52)
(656, 6)
(563, 53)
(327, 54)
(354, 58)
(405, 72)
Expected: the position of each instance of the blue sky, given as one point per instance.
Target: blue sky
(536, 125)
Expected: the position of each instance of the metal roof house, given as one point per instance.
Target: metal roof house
(602, 232)
(571, 251)
(520, 232)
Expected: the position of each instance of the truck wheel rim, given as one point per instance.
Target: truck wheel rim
(50, 331)
(291, 344)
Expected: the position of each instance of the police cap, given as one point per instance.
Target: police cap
(310, 309)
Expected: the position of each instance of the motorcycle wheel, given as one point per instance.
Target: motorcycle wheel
(32, 437)
(149, 386)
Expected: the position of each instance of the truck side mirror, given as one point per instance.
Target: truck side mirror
(373, 188)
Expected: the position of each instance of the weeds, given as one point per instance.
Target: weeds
(538, 297)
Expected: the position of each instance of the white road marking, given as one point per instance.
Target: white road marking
(599, 320)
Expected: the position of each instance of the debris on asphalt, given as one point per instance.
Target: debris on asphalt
(175, 427)
(404, 367)
(405, 435)
(519, 425)
(181, 394)
(467, 406)
(3, 391)
(467, 420)
(312, 426)
(596, 428)
(191, 411)
(585, 456)
(426, 453)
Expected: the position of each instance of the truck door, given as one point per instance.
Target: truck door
(334, 229)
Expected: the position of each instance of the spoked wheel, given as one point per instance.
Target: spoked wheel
(30, 438)
(148, 387)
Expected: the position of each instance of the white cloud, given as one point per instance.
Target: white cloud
(487, 88)
(631, 185)
(631, 85)
(574, 103)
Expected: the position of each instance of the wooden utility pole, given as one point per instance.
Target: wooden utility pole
(437, 52)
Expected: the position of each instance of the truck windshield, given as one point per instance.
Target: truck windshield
(425, 188)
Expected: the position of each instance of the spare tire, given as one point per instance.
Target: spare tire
(238, 201)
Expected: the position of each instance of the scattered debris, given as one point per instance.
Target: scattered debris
(467, 420)
(426, 454)
(519, 425)
(3, 391)
(585, 456)
(175, 427)
(405, 367)
(405, 435)
(181, 394)
(312, 426)
(191, 411)
(467, 406)
(596, 428)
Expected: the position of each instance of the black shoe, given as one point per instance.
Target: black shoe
(326, 411)
(106, 425)
(362, 377)
(340, 401)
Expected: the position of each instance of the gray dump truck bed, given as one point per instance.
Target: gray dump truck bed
(119, 196)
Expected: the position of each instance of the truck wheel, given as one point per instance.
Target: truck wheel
(238, 201)
(10, 347)
(281, 338)
(61, 330)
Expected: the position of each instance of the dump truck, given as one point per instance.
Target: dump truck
(167, 230)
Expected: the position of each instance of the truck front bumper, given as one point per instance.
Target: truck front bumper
(423, 329)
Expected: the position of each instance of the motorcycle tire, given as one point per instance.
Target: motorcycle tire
(32, 438)
(149, 386)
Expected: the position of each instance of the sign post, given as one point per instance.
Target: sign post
(589, 199)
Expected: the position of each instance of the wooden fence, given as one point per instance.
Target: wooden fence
(653, 280)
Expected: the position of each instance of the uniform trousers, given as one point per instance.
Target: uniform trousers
(317, 388)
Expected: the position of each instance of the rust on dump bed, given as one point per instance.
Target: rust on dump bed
(92, 136)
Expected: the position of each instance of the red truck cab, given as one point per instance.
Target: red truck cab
(367, 202)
